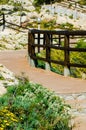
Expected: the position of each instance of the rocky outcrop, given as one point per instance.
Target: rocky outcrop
(10, 39)
(7, 78)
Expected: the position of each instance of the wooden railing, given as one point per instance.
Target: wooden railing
(5, 23)
(39, 40)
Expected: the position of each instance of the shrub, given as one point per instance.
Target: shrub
(33, 107)
(48, 24)
(4, 1)
(66, 25)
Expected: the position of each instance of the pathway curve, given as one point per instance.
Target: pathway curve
(73, 90)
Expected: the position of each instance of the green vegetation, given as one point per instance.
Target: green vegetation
(82, 2)
(71, 16)
(1, 77)
(48, 24)
(29, 106)
(40, 2)
(4, 1)
(67, 25)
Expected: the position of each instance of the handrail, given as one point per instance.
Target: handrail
(4, 21)
(59, 32)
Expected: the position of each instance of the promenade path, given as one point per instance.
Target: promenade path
(17, 62)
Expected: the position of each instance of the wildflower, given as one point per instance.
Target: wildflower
(1, 128)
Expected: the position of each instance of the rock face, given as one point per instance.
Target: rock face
(6, 78)
(28, 13)
(10, 39)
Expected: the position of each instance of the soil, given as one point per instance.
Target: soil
(17, 62)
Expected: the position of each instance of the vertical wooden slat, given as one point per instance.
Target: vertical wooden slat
(32, 45)
(3, 22)
(66, 56)
(39, 42)
(59, 39)
(48, 42)
(29, 43)
(66, 51)
(44, 41)
(51, 38)
(31, 48)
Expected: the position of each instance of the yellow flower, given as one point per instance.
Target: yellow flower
(14, 120)
(1, 128)
(5, 121)
(7, 124)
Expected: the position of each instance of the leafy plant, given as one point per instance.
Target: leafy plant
(71, 16)
(82, 2)
(66, 26)
(81, 43)
(4, 1)
(40, 2)
(1, 77)
(48, 24)
(31, 107)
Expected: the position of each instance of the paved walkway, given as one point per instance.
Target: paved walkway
(73, 90)
(17, 61)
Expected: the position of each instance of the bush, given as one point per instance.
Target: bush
(67, 26)
(32, 107)
(40, 2)
(48, 24)
(82, 2)
(4, 1)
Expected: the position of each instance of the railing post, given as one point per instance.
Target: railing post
(59, 37)
(66, 56)
(44, 41)
(31, 50)
(3, 22)
(48, 41)
(38, 43)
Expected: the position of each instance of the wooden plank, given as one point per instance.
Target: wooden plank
(38, 43)
(60, 32)
(66, 51)
(16, 25)
(78, 65)
(48, 42)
